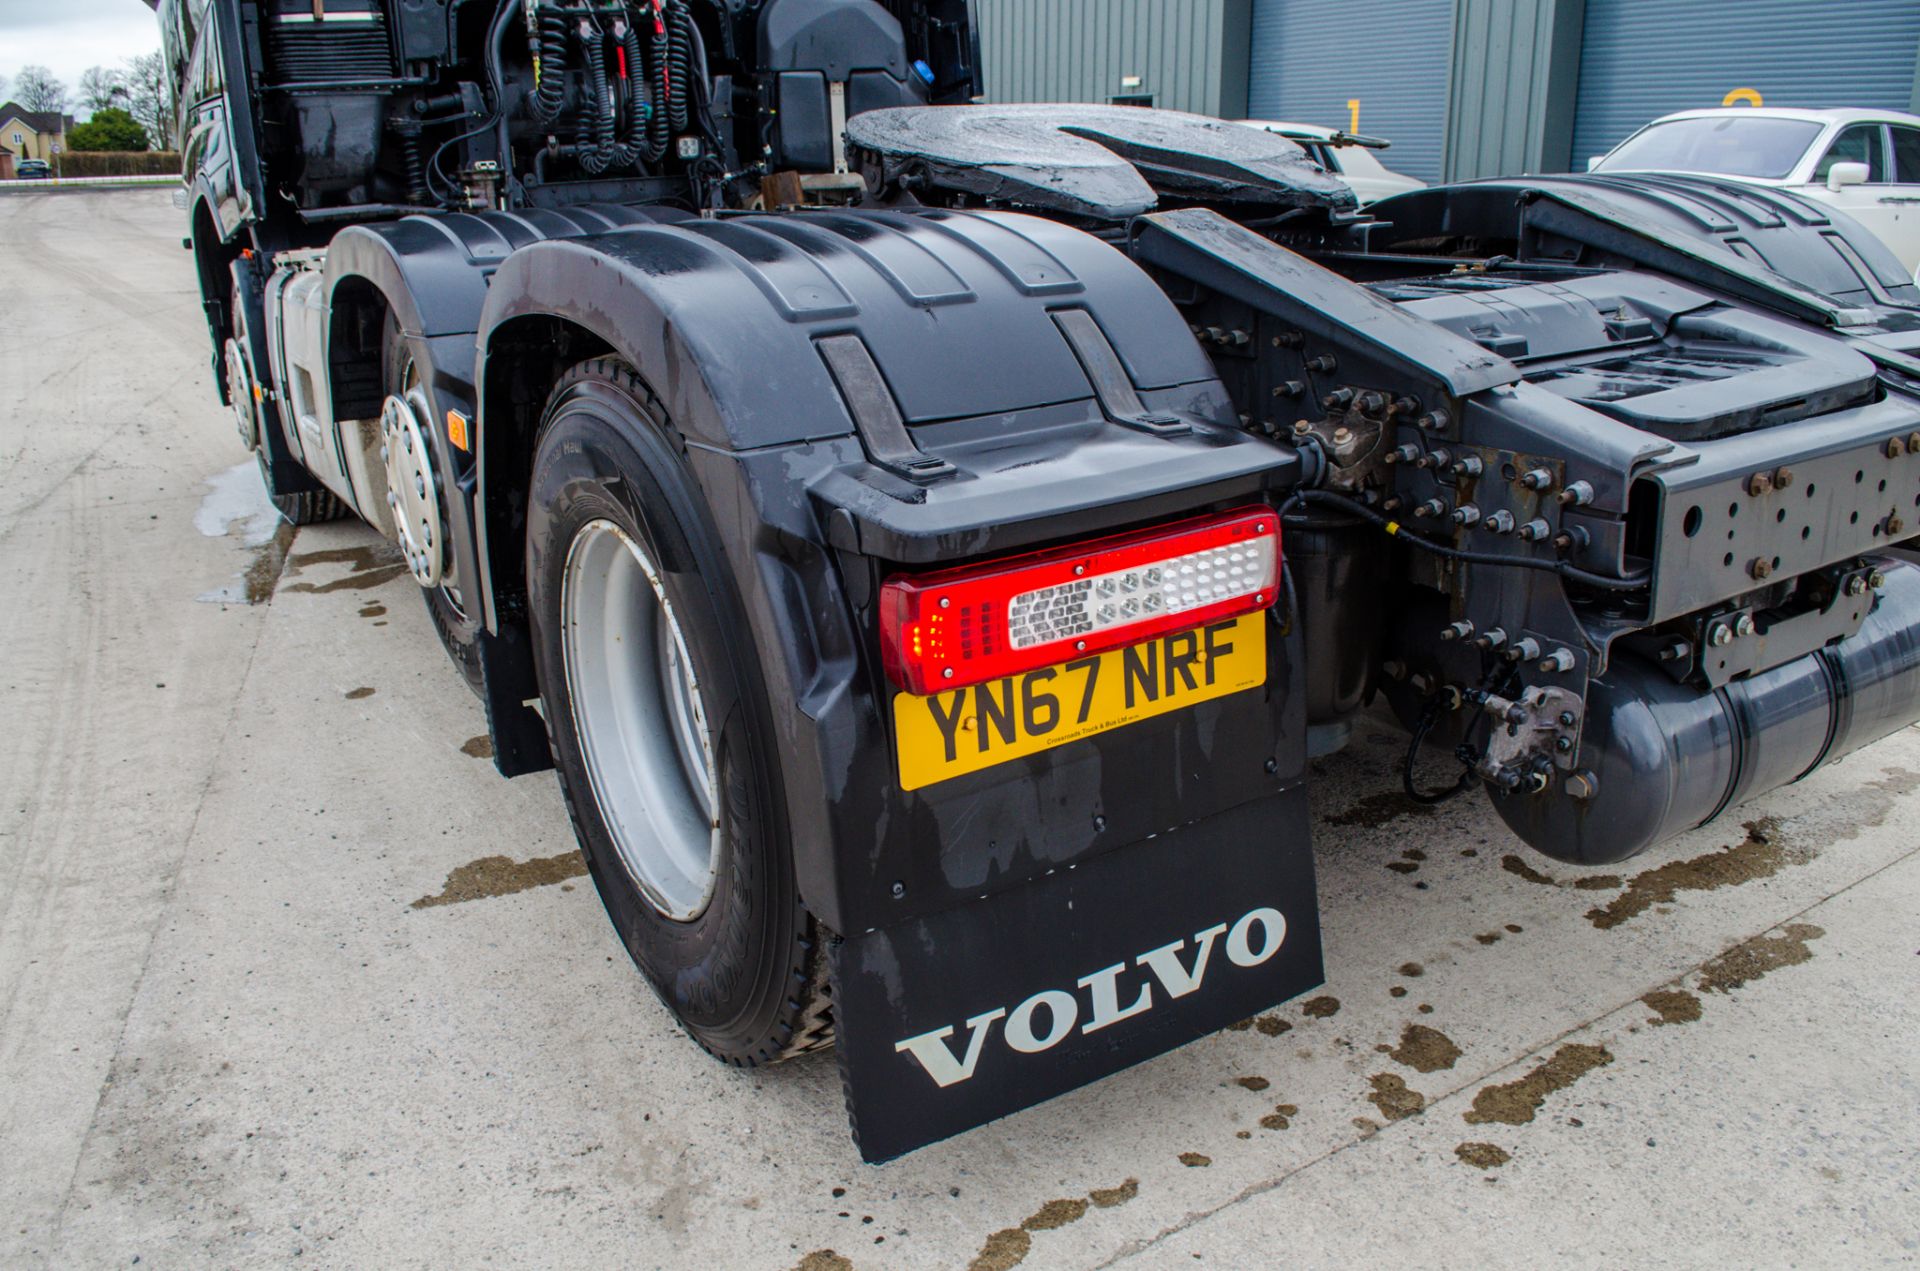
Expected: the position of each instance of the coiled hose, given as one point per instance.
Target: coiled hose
(636, 144)
(679, 63)
(597, 143)
(660, 77)
(550, 46)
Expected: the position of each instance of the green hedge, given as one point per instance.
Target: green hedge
(118, 163)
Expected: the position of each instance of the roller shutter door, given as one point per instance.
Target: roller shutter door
(1641, 59)
(1309, 58)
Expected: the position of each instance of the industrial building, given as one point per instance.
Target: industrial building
(1463, 88)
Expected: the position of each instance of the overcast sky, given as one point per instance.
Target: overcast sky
(68, 36)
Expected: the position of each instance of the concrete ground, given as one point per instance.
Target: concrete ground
(288, 973)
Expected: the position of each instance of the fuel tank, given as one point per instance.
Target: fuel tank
(1665, 757)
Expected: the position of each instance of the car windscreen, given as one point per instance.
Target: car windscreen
(1733, 146)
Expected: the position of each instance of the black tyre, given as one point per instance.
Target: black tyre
(658, 718)
(457, 629)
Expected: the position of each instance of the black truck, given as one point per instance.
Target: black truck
(928, 540)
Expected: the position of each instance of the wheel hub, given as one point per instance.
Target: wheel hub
(413, 492)
(641, 720)
(242, 390)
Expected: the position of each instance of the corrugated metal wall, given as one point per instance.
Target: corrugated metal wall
(1080, 50)
(1646, 58)
(1310, 57)
(1510, 103)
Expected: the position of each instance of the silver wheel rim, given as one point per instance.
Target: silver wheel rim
(642, 725)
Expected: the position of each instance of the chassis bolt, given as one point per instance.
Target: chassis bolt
(1783, 479)
(1563, 744)
(1583, 785)
(1895, 447)
(1467, 466)
(1433, 421)
(899, 890)
(1432, 507)
(1720, 635)
(1759, 483)
(1913, 443)
(1876, 580)
(1856, 586)
(1578, 495)
(1558, 662)
(1500, 522)
(1761, 567)
(1536, 478)
(1895, 525)
(1743, 625)
(1402, 454)
(1338, 399)
(1322, 364)
(1342, 435)
(1289, 388)
(1456, 630)
(1525, 649)
(1405, 406)
(1535, 530)
(1435, 459)
(1567, 719)
(1491, 638)
(1466, 514)
(1371, 402)
(1272, 765)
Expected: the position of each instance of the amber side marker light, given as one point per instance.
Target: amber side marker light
(976, 623)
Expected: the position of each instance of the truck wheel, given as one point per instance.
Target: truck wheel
(658, 719)
(446, 604)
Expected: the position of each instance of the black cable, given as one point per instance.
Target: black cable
(1327, 498)
(1420, 731)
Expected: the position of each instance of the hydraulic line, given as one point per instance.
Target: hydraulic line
(660, 80)
(597, 139)
(1354, 507)
(550, 47)
(679, 63)
(640, 96)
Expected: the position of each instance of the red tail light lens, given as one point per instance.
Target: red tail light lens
(981, 622)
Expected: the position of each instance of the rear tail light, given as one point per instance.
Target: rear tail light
(981, 622)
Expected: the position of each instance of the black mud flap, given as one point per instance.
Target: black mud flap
(949, 1021)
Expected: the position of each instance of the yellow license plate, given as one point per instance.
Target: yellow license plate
(950, 734)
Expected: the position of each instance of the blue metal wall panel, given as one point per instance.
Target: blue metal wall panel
(1310, 57)
(1645, 58)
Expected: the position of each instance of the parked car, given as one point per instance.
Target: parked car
(1864, 162)
(1347, 156)
(32, 170)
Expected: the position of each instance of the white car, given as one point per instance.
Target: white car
(1349, 157)
(1864, 162)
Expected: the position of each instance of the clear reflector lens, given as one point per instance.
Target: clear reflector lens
(1176, 585)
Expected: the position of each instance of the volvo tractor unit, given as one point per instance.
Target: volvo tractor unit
(928, 540)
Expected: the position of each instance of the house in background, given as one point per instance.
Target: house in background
(32, 134)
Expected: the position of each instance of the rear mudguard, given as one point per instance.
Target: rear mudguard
(989, 418)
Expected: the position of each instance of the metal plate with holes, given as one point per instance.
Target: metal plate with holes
(1852, 485)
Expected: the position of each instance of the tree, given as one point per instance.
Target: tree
(109, 129)
(101, 88)
(39, 89)
(150, 97)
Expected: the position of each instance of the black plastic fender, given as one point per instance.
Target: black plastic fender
(959, 316)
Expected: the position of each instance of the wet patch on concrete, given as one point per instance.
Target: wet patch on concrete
(1280, 1118)
(236, 506)
(359, 694)
(500, 876)
(1762, 854)
(1488, 937)
(1010, 1246)
(1482, 1155)
(1424, 1049)
(374, 610)
(1747, 962)
(1515, 1102)
(1194, 1160)
(1255, 1084)
(1412, 970)
(1393, 1097)
(368, 566)
(480, 747)
(1320, 1007)
(823, 1260)
(1377, 810)
(1520, 869)
(1271, 1026)
(1673, 1006)
(1403, 867)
